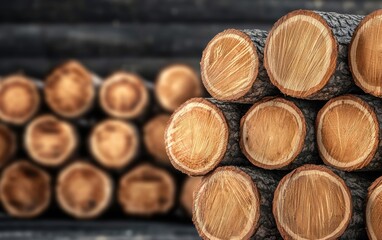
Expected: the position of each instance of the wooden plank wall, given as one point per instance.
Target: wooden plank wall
(136, 35)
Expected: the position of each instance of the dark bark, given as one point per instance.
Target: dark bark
(232, 113)
(358, 186)
(376, 105)
(266, 182)
(342, 26)
(262, 86)
(169, 10)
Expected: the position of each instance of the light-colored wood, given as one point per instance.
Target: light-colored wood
(229, 65)
(272, 133)
(374, 210)
(146, 191)
(227, 205)
(84, 191)
(347, 133)
(153, 136)
(124, 95)
(8, 144)
(365, 54)
(190, 186)
(69, 89)
(196, 137)
(300, 54)
(312, 202)
(25, 190)
(19, 99)
(176, 84)
(114, 143)
(49, 140)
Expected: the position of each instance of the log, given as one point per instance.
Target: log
(8, 144)
(114, 143)
(69, 89)
(190, 186)
(19, 99)
(153, 137)
(203, 133)
(235, 202)
(348, 132)
(124, 95)
(306, 54)
(373, 210)
(83, 190)
(279, 133)
(232, 66)
(98, 11)
(50, 141)
(146, 67)
(332, 204)
(25, 190)
(364, 52)
(146, 191)
(176, 84)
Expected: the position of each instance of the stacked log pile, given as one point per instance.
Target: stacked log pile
(92, 146)
(290, 143)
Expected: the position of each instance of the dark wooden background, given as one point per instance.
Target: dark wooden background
(136, 35)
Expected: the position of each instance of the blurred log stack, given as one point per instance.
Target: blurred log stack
(99, 144)
(297, 166)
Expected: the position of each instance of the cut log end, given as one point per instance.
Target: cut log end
(19, 99)
(229, 65)
(273, 133)
(347, 133)
(374, 210)
(114, 143)
(153, 136)
(227, 205)
(175, 85)
(83, 190)
(69, 90)
(300, 54)
(8, 144)
(25, 190)
(191, 185)
(146, 191)
(196, 137)
(124, 95)
(312, 202)
(365, 54)
(50, 141)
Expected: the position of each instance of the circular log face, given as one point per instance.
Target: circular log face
(300, 54)
(69, 89)
(114, 143)
(25, 190)
(175, 85)
(196, 137)
(19, 99)
(50, 141)
(7, 144)
(229, 65)
(83, 190)
(124, 95)
(365, 54)
(272, 133)
(312, 202)
(374, 210)
(191, 185)
(153, 134)
(146, 190)
(227, 205)
(347, 133)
